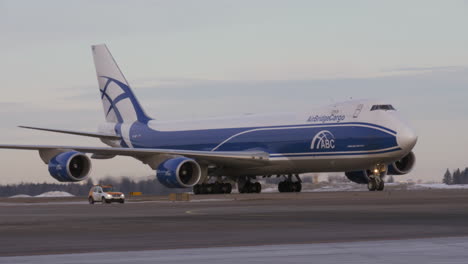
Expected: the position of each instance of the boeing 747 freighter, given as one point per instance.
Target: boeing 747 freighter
(365, 139)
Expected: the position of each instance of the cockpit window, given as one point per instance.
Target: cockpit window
(382, 107)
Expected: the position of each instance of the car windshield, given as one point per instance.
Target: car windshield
(107, 189)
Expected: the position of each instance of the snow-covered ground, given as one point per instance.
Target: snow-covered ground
(353, 187)
(21, 196)
(55, 194)
(46, 194)
(422, 186)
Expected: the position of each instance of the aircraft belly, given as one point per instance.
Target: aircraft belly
(315, 164)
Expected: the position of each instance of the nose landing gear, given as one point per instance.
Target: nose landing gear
(376, 182)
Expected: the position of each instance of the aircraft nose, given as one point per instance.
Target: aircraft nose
(406, 139)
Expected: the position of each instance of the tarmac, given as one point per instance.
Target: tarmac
(44, 226)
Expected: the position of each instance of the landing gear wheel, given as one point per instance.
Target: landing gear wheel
(298, 186)
(258, 187)
(292, 187)
(91, 200)
(226, 188)
(229, 188)
(242, 189)
(217, 188)
(208, 188)
(251, 188)
(282, 187)
(381, 185)
(196, 189)
(372, 185)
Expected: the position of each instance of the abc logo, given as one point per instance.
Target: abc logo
(323, 140)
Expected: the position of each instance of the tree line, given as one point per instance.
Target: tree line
(125, 185)
(457, 177)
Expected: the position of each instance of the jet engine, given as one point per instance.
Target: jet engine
(402, 166)
(70, 166)
(179, 172)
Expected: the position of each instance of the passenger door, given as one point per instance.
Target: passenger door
(97, 194)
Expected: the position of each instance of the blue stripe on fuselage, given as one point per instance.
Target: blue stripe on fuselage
(297, 139)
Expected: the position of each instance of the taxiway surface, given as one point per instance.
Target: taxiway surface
(69, 225)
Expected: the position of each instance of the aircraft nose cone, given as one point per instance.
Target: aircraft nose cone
(406, 139)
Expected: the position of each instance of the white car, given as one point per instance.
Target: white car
(105, 193)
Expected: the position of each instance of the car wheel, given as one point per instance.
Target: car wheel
(122, 201)
(90, 200)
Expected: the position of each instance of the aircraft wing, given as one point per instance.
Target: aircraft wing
(213, 157)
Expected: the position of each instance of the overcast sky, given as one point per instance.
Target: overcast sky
(195, 59)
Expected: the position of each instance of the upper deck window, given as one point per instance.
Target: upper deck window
(382, 107)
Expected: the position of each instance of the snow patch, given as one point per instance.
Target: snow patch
(20, 196)
(420, 186)
(55, 194)
(270, 190)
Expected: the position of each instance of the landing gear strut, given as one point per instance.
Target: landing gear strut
(288, 185)
(376, 182)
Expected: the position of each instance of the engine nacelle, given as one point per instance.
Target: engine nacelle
(179, 173)
(361, 177)
(402, 166)
(70, 166)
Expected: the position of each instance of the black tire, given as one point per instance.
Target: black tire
(196, 189)
(90, 200)
(252, 188)
(381, 186)
(203, 189)
(372, 185)
(226, 188)
(208, 188)
(298, 186)
(122, 201)
(291, 187)
(217, 188)
(281, 187)
(241, 190)
(258, 187)
(106, 201)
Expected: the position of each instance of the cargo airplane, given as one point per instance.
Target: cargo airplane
(366, 140)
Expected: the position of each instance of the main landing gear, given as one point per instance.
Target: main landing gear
(376, 182)
(244, 185)
(288, 185)
(250, 187)
(212, 188)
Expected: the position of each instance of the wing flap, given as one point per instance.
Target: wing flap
(78, 133)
